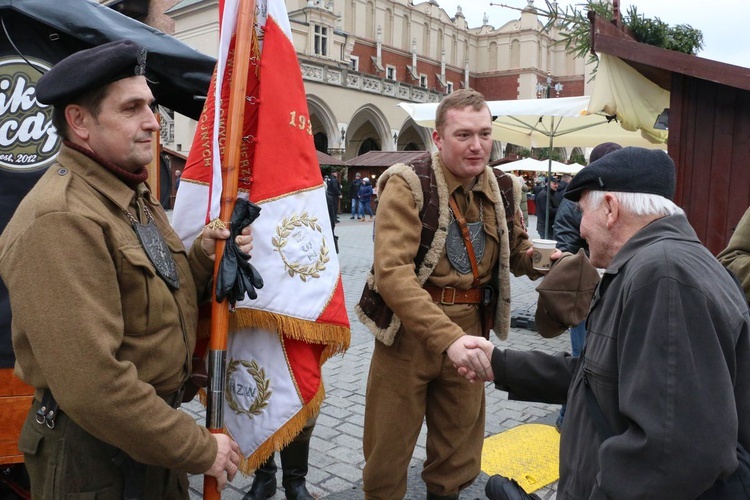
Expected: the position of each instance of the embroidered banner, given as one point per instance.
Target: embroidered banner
(278, 342)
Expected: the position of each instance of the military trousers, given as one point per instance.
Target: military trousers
(408, 385)
(67, 462)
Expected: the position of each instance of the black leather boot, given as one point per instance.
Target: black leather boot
(502, 488)
(294, 466)
(264, 482)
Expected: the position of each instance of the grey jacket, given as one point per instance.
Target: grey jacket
(667, 356)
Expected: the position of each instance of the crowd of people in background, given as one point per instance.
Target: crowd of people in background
(362, 196)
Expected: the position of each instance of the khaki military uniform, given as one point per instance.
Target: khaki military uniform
(412, 379)
(96, 325)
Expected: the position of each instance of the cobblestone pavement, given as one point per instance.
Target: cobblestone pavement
(336, 458)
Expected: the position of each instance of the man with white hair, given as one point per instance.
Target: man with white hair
(659, 400)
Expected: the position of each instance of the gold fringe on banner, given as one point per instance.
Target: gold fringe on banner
(336, 337)
(281, 438)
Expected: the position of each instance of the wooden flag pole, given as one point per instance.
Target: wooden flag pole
(230, 180)
(154, 168)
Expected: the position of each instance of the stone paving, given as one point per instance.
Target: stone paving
(336, 458)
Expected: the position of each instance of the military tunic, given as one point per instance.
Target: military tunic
(413, 379)
(95, 324)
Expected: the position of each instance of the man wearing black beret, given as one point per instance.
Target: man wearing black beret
(659, 400)
(104, 298)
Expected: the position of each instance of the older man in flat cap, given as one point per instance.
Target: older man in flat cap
(659, 400)
(105, 297)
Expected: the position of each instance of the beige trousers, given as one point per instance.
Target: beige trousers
(406, 386)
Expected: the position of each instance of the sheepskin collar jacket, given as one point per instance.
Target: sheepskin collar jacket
(431, 195)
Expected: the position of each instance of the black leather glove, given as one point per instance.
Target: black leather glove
(237, 276)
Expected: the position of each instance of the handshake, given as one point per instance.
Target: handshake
(472, 357)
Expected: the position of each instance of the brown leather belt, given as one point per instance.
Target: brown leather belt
(450, 295)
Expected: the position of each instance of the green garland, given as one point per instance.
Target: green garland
(575, 29)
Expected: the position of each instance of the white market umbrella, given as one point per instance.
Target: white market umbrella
(536, 123)
(546, 123)
(534, 165)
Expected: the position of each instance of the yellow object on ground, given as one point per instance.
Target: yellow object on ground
(528, 453)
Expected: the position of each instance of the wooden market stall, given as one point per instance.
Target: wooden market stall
(708, 123)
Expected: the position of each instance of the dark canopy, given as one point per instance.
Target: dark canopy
(52, 29)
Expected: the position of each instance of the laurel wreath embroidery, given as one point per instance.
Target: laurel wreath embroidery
(262, 383)
(282, 236)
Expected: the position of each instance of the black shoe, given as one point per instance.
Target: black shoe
(263, 487)
(502, 488)
(297, 490)
(264, 483)
(432, 496)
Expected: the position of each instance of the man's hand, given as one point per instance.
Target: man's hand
(487, 348)
(227, 461)
(208, 242)
(474, 362)
(555, 255)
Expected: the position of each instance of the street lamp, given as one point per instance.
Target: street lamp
(544, 90)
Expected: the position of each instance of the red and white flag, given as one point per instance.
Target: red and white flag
(278, 342)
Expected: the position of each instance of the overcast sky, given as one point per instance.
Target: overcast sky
(724, 23)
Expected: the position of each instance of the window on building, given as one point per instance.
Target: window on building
(423, 81)
(354, 63)
(449, 87)
(390, 72)
(321, 40)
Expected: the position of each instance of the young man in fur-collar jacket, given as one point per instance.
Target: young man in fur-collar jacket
(429, 294)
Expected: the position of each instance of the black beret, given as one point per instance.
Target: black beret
(630, 170)
(602, 149)
(90, 69)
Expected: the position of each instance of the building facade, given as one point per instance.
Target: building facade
(360, 58)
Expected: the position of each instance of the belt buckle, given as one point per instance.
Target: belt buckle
(443, 300)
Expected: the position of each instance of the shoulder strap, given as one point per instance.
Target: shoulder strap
(430, 212)
(505, 182)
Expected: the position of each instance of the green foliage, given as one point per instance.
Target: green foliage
(685, 38)
(544, 154)
(575, 29)
(574, 26)
(578, 158)
(681, 38)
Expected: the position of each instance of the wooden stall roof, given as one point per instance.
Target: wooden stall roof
(384, 158)
(175, 153)
(658, 64)
(326, 159)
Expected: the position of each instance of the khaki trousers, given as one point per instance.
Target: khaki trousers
(406, 386)
(67, 462)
